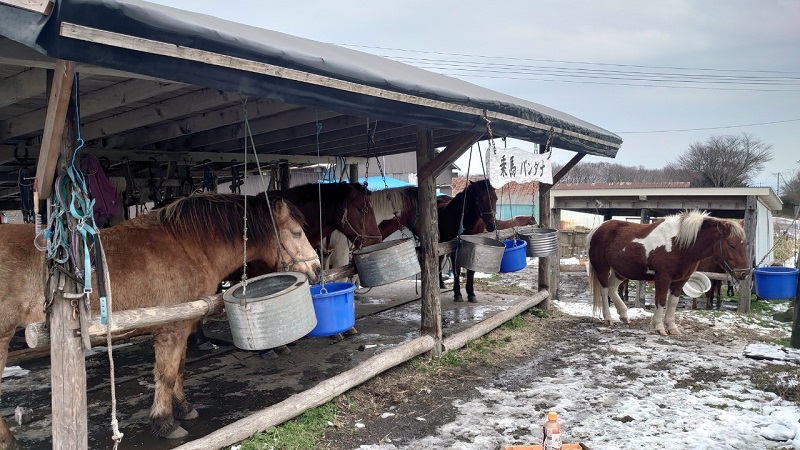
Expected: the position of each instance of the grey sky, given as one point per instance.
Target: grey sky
(506, 45)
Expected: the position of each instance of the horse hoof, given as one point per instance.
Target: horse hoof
(178, 433)
(625, 320)
(191, 415)
(351, 332)
(675, 331)
(282, 350)
(337, 337)
(458, 298)
(661, 332)
(206, 346)
(472, 299)
(268, 355)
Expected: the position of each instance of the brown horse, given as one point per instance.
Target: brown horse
(666, 251)
(477, 201)
(711, 265)
(173, 255)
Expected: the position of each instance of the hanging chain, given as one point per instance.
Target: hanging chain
(492, 147)
(548, 146)
(244, 228)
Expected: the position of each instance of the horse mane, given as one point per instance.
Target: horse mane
(689, 225)
(472, 192)
(335, 195)
(385, 201)
(198, 216)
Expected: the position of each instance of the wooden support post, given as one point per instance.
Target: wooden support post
(60, 91)
(428, 243)
(750, 223)
(354, 173)
(544, 263)
(285, 175)
(638, 301)
(555, 261)
(67, 357)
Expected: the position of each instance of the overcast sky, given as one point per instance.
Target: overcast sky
(638, 69)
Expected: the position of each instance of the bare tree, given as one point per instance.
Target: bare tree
(791, 189)
(725, 161)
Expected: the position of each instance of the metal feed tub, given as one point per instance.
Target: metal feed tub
(386, 262)
(277, 309)
(480, 254)
(542, 242)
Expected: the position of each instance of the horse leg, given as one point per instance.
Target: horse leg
(456, 281)
(181, 408)
(669, 319)
(657, 322)
(441, 276)
(719, 293)
(613, 289)
(7, 441)
(470, 286)
(606, 309)
(170, 349)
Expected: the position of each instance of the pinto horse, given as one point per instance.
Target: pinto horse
(172, 255)
(477, 201)
(666, 251)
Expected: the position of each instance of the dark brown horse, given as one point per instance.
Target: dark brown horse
(667, 252)
(173, 255)
(477, 201)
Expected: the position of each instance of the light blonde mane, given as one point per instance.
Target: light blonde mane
(386, 201)
(690, 223)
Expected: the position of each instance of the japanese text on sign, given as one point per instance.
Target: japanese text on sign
(515, 164)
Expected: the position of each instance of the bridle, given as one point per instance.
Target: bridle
(724, 262)
(359, 240)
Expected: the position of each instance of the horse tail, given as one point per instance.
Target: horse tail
(595, 289)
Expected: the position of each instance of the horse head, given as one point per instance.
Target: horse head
(358, 220)
(731, 249)
(295, 252)
(485, 201)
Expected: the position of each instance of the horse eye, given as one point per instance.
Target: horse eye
(297, 234)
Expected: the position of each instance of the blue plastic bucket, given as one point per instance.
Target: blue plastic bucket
(514, 257)
(334, 308)
(774, 282)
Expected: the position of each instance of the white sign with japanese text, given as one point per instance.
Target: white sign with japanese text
(515, 164)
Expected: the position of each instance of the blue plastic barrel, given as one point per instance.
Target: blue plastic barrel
(514, 257)
(775, 282)
(334, 308)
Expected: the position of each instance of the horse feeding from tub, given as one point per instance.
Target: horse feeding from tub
(173, 255)
(666, 251)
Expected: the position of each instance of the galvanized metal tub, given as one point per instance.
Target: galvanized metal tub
(480, 254)
(274, 310)
(542, 242)
(386, 262)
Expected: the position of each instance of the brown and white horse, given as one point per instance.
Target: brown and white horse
(666, 251)
(173, 255)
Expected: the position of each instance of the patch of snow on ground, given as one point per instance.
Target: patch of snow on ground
(659, 407)
(14, 371)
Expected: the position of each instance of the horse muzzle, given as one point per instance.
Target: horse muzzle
(491, 226)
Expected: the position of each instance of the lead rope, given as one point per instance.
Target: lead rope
(249, 134)
(116, 435)
(493, 148)
(318, 130)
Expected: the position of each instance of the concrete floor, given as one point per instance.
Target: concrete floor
(227, 384)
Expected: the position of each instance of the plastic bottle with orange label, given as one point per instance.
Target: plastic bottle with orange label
(552, 433)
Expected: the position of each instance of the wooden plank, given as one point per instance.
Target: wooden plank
(37, 335)
(191, 54)
(544, 263)
(43, 7)
(554, 273)
(750, 230)
(461, 339)
(102, 100)
(323, 392)
(429, 262)
(157, 112)
(52, 135)
(561, 173)
(23, 85)
(450, 153)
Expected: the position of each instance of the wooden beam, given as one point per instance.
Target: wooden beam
(233, 115)
(158, 112)
(429, 262)
(114, 96)
(323, 392)
(545, 188)
(52, 135)
(450, 153)
(750, 231)
(24, 85)
(43, 7)
(544, 263)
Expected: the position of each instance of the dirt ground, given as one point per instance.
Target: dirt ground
(412, 401)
